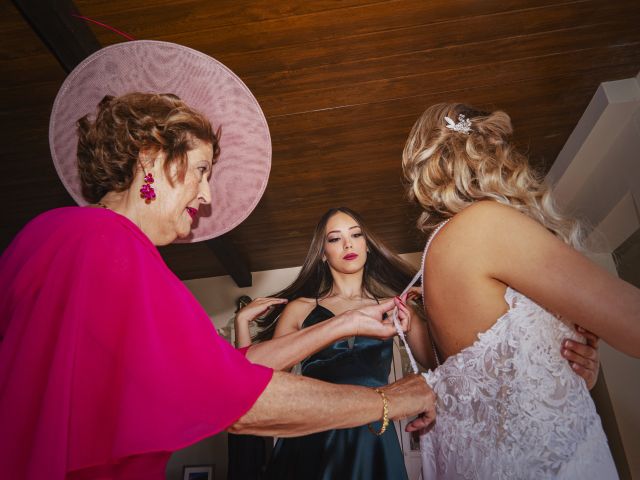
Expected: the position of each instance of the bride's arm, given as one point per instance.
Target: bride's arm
(520, 252)
(584, 358)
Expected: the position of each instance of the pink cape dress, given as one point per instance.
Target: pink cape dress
(107, 362)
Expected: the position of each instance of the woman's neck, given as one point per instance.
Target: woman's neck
(127, 205)
(347, 285)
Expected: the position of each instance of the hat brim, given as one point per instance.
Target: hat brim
(241, 173)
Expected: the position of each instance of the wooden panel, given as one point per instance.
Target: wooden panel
(341, 83)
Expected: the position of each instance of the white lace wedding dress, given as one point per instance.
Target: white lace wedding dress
(509, 406)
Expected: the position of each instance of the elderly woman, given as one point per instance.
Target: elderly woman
(107, 362)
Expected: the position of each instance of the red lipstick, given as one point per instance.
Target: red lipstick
(350, 256)
(193, 212)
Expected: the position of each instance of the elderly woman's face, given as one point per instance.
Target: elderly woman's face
(177, 206)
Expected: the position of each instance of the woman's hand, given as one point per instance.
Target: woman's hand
(583, 358)
(414, 294)
(257, 308)
(369, 321)
(248, 314)
(409, 396)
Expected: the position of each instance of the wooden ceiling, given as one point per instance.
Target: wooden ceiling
(341, 83)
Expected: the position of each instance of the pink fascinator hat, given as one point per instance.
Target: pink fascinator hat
(240, 175)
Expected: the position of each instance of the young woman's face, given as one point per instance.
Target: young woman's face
(345, 247)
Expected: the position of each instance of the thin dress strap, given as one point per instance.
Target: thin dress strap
(418, 275)
(426, 248)
(424, 257)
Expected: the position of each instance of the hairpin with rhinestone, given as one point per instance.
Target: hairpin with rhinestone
(463, 125)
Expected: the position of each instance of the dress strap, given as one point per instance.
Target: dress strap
(418, 274)
(424, 257)
(426, 248)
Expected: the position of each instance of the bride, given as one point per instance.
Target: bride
(508, 404)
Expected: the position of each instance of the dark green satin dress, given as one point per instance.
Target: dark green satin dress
(351, 453)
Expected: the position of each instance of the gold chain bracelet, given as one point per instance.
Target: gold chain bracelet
(385, 414)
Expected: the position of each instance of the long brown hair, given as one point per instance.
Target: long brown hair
(385, 273)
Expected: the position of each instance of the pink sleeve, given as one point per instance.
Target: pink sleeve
(109, 354)
(243, 350)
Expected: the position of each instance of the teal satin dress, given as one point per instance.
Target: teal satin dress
(351, 453)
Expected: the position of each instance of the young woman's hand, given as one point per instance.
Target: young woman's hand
(248, 314)
(257, 308)
(370, 321)
(584, 358)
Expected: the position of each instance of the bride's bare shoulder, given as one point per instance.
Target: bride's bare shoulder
(489, 219)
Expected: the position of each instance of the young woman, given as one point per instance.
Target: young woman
(346, 268)
(504, 283)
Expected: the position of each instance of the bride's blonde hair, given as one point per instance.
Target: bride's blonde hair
(447, 170)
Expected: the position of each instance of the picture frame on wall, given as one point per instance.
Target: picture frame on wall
(198, 472)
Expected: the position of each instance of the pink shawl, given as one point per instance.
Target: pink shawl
(105, 356)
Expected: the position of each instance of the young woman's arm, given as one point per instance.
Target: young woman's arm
(291, 344)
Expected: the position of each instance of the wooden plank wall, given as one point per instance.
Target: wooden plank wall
(341, 83)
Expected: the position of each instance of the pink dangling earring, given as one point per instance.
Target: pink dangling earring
(146, 191)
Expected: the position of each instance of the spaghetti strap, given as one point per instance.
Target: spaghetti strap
(426, 248)
(418, 276)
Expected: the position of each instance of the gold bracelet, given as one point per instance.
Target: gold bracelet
(385, 414)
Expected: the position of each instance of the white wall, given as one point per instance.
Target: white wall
(597, 176)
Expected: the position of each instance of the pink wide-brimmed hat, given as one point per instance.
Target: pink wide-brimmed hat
(242, 170)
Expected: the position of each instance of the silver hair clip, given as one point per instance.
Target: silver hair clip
(463, 125)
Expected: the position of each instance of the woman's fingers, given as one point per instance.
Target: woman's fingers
(581, 349)
(414, 293)
(420, 423)
(259, 307)
(404, 315)
(592, 338)
(584, 360)
(268, 301)
(580, 360)
(589, 376)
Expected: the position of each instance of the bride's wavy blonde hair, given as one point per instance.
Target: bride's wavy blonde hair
(448, 170)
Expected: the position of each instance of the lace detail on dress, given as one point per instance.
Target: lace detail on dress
(509, 406)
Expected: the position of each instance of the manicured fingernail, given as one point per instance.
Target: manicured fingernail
(564, 352)
(574, 366)
(567, 343)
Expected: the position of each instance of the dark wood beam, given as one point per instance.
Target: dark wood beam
(228, 255)
(69, 38)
